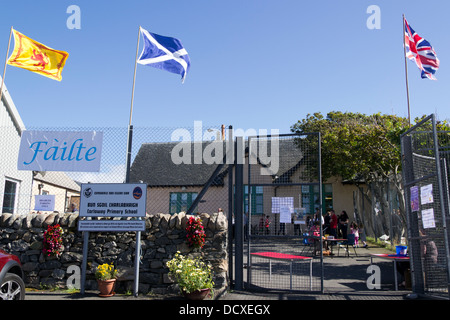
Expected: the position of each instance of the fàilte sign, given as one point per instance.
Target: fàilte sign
(60, 151)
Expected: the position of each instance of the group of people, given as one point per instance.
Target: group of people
(336, 226)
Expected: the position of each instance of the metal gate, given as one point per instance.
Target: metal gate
(425, 160)
(284, 183)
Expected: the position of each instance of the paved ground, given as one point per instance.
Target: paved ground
(345, 279)
(345, 293)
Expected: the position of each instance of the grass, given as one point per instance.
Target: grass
(382, 244)
(52, 289)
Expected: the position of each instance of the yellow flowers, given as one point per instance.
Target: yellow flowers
(190, 274)
(105, 272)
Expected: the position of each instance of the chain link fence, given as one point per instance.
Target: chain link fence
(425, 162)
(284, 188)
(172, 187)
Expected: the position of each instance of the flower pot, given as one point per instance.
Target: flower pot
(106, 287)
(197, 295)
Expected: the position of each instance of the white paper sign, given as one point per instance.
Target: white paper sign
(285, 215)
(428, 219)
(60, 151)
(279, 202)
(44, 202)
(426, 194)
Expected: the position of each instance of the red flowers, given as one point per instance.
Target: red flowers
(195, 233)
(53, 241)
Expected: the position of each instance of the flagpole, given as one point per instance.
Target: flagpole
(137, 252)
(4, 68)
(406, 72)
(130, 127)
(134, 77)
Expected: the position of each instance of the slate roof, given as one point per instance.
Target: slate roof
(153, 165)
(57, 178)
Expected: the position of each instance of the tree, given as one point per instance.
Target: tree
(360, 147)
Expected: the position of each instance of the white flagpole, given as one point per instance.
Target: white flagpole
(134, 76)
(406, 72)
(127, 178)
(130, 127)
(6, 60)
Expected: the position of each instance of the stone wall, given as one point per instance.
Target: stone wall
(22, 235)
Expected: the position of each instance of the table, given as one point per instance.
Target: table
(331, 243)
(284, 257)
(391, 257)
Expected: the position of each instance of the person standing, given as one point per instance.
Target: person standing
(267, 224)
(343, 224)
(333, 224)
(355, 230)
(326, 223)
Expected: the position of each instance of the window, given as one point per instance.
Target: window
(310, 197)
(181, 201)
(257, 196)
(9, 196)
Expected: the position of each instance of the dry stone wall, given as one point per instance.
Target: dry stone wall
(165, 234)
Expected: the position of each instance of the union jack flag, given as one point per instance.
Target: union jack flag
(421, 51)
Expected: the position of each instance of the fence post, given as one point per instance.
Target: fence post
(441, 199)
(128, 159)
(230, 152)
(238, 214)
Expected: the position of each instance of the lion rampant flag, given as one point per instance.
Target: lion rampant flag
(36, 57)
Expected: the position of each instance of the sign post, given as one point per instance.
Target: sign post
(112, 200)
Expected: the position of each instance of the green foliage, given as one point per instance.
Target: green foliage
(190, 274)
(355, 145)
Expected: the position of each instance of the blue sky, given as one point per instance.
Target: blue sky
(260, 64)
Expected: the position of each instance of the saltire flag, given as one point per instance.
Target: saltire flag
(420, 50)
(164, 53)
(36, 57)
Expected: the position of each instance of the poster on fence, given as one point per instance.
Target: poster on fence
(414, 191)
(426, 194)
(428, 218)
(285, 207)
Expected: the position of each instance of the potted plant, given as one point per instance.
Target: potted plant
(194, 277)
(106, 279)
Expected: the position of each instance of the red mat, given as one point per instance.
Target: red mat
(278, 255)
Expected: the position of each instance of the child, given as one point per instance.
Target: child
(267, 224)
(354, 229)
(363, 235)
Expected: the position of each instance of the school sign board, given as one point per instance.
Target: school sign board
(113, 200)
(60, 151)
